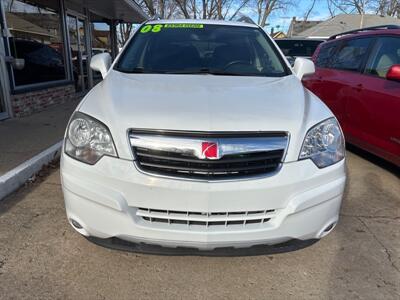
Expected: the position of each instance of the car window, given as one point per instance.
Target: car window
(42, 62)
(197, 48)
(45, 56)
(351, 54)
(325, 54)
(385, 55)
(298, 47)
(20, 48)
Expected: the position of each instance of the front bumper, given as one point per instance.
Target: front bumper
(104, 199)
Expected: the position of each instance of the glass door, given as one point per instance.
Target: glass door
(3, 71)
(78, 51)
(3, 112)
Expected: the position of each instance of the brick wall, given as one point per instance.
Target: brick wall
(28, 103)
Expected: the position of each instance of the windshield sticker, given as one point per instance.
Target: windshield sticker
(183, 26)
(157, 28)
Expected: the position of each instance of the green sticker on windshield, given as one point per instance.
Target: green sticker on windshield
(150, 28)
(183, 25)
(157, 27)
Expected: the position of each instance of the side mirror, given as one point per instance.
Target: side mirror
(303, 66)
(393, 73)
(16, 63)
(101, 63)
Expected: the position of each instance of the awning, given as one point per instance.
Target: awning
(125, 10)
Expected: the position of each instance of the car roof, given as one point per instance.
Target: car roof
(365, 33)
(208, 22)
(299, 39)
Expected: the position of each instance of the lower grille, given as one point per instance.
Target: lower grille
(205, 219)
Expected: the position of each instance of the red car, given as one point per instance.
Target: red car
(358, 77)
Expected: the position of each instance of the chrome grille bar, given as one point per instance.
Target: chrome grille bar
(192, 146)
(182, 155)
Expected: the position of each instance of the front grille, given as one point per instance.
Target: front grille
(179, 154)
(205, 219)
(230, 166)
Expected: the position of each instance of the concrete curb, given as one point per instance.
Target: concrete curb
(15, 178)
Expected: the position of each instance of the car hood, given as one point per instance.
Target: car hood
(201, 103)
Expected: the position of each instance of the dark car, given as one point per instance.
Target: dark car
(42, 62)
(298, 47)
(358, 77)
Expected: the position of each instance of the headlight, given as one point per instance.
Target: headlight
(88, 139)
(324, 144)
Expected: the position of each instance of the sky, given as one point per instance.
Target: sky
(283, 18)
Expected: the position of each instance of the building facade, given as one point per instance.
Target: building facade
(46, 47)
(297, 26)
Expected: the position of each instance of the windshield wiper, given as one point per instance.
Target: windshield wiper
(135, 70)
(140, 70)
(205, 71)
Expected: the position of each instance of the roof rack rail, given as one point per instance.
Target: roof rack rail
(365, 29)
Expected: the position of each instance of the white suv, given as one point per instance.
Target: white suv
(202, 135)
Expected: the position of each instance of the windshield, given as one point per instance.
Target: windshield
(197, 48)
(298, 48)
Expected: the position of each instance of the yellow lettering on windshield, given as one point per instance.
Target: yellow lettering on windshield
(157, 28)
(145, 28)
(183, 25)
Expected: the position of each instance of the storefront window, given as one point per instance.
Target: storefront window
(79, 53)
(101, 41)
(36, 37)
(2, 105)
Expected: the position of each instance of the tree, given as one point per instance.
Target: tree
(164, 9)
(215, 9)
(388, 8)
(183, 5)
(381, 7)
(266, 7)
(353, 6)
(331, 8)
(309, 10)
(124, 31)
(193, 9)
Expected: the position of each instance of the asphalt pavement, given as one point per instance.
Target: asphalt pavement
(42, 257)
